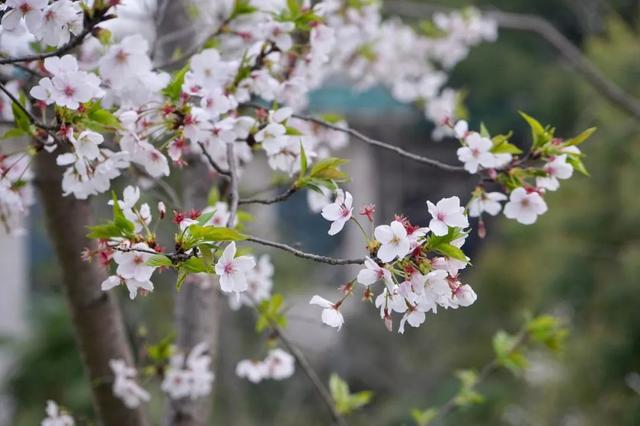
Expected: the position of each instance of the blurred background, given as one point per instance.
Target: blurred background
(580, 261)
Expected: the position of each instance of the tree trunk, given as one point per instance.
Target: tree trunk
(96, 317)
(197, 310)
(196, 307)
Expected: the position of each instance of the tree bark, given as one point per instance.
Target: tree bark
(197, 310)
(96, 317)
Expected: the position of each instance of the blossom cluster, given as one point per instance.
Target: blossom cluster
(190, 377)
(418, 266)
(278, 365)
(274, 51)
(551, 159)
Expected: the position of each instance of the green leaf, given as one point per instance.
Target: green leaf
(196, 265)
(424, 417)
(215, 233)
(581, 137)
(158, 260)
(15, 133)
(270, 311)
(328, 169)
(577, 164)
(182, 275)
(119, 218)
(548, 331)
(214, 196)
(507, 355)
(204, 218)
(303, 161)
(21, 118)
(345, 401)
(174, 88)
(539, 134)
(242, 7)
(104, 118)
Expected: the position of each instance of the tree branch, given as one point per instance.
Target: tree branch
(234, 196)
(32, 118)
(90, 24)
(299, 253)
(363, 138)
(485, 372)
(278, 198)
(311, 374)
(212, 162)
(616, 95)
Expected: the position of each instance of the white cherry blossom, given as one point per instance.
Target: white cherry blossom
(124, 385)
(339, 212)
(487, 202)
(373, 273)
(330, 313)
(524, 206)
(56, 417)
(394, 241)
(557, 168)
(233, 270)
(446, 213)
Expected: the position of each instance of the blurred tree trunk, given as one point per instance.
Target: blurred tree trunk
(196, 307)
(96, 317)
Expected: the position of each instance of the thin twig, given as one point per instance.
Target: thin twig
(363, 138)
(485, 372)
(31, 117)
(278, 198)
(311, 374)
(304, 364)
(234, 196)
(299, 253)
(74, 42)
(616, 95)
(212, 162)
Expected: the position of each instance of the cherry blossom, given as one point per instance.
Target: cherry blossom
(252, 370)
(476, 153)
(524, 206)
(557, 168)
(394, 241)
(486, 202)
(339, 212)
(330, 313)
(30, 10)
(56, 417)
(59, 20)
(190, 377)
(233, 270)
(124, 385)
(133, 285)
(446, 213)
(373, 273)
(68, 87)
(132, 262)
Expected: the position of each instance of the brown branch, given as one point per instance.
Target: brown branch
(31, 117)
(212, 162)
(363, 138)
(90, 24)
(485, 372)
(304, 364)
(278, 198)
(310, 256)
(311, 374)
(234, 196)
(609, 90)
